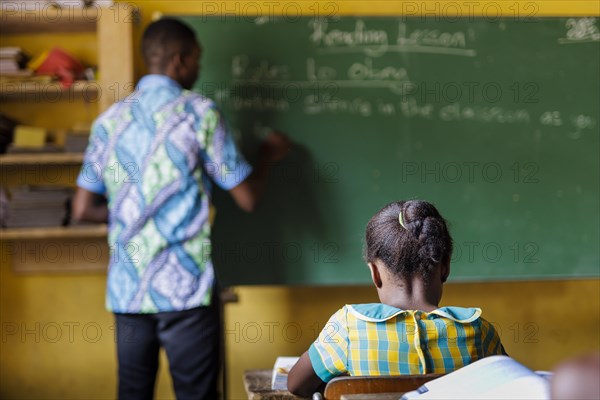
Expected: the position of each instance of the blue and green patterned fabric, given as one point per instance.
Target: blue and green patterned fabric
(155, 155)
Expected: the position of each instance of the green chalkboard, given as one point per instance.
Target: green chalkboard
(496, 122)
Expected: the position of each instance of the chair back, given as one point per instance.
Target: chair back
(375, 384)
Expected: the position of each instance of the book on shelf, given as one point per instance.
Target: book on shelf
(75, 143)
(11, 67)
(9, 52)
(14, 53)
(38, 206)
(13, 62)
(21, 139)
(77, 138)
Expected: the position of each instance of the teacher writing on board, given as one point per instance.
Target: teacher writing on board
(153, 156)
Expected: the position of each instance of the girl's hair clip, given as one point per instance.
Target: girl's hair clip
(401, 220)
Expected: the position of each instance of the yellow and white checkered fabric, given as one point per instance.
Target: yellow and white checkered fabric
(377, 339)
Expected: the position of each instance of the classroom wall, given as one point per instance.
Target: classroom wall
(57, 339)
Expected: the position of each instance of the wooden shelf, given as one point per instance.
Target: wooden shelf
(41, 158)
(81, 232)
(113, 28)
(47, 19)
(50, 91)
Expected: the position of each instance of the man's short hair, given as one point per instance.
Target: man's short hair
(165, 38)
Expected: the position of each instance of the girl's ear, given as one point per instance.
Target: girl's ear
(375, 275)
(445, 270)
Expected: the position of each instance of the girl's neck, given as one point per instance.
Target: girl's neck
(411, 304)
(411, 295)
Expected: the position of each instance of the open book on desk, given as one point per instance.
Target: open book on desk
(495, 377)
(282, 367)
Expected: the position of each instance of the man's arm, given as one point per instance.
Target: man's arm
(249, 192)
(89, 206)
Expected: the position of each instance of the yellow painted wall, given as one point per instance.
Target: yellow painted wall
(57, 339)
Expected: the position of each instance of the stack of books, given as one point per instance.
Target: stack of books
(38, 206)
(13, 62)
(77, 138)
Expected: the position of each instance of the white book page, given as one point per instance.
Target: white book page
(527, 388)
(282, 367)
(496, 376)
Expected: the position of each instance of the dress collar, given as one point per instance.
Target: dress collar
(378, 312)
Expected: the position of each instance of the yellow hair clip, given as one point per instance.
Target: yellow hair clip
(401, 221)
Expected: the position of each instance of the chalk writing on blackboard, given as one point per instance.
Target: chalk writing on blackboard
(365, 74)
(581, 30)
(377, 42)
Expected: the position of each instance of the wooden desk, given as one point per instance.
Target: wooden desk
(258, 386)
(373, 396)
